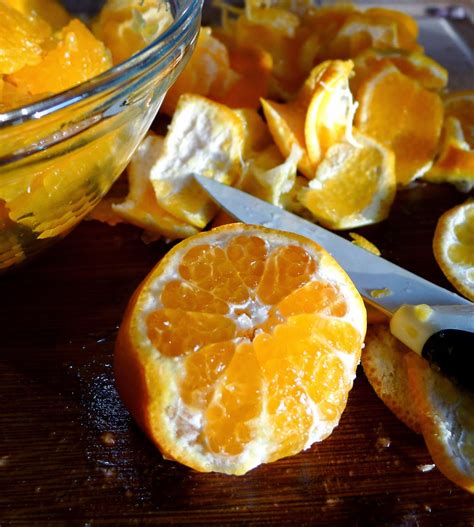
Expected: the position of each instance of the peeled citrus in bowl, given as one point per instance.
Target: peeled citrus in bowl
(75, 102)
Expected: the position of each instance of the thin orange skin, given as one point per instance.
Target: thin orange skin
(131, 372)
(418, 371)
(437, 251)
(130, 377)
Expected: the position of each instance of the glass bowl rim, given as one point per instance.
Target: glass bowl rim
(159, 49)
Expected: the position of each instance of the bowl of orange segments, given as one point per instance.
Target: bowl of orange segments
(240, 347)
(77, 96)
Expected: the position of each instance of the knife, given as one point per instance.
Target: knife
(432, 321)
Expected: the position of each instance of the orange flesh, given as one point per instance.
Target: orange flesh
(258, 333)
(76, 56)
(20, 39)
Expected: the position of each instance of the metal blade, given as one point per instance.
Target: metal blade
(370, 273)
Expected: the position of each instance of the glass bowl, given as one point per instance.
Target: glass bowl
(60, 156)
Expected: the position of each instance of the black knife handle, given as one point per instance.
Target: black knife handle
(452, 351)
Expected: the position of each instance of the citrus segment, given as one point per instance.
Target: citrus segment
(236, 402)
(203, 369)
(218, 381)
(128, 27)
(75, 57)
(21, 37)
(322, 297)
(204, 138)
(140, 206)
(291, 266)
(56, 183)
(354, 185)
(248, 255)
(453, 247)
(185, 295)
(209, 268)
(176, 331)
(387, 96)
(445, 413)
(51, 11)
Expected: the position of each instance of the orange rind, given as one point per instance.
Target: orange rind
(453, 247)
(207, 73)
(446, 419)
(383, 361)
(455, 160)
(354, 185)
(330, 111)
(204, 138)
(140, 207)
(460, 104)
(399, 113)
(416, 65)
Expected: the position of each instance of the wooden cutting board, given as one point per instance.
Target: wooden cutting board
(71, 455)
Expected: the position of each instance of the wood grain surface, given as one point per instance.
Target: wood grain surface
(70, 454)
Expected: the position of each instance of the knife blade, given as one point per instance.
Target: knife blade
(424, 316)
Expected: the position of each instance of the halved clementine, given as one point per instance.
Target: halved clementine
(239, 348)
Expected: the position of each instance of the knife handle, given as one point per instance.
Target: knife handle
(452, 352)
(444, 335)
(413, 325)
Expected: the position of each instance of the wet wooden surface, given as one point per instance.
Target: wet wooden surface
(71, 455)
